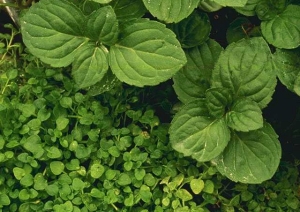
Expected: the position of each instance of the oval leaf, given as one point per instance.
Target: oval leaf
(284, 30)
(217, 100)
(128, 10)
(245, 68)
(147, 54)
(191, 82)
(192, 31)
(102, 25)
(57, 167)
(90, 65)
(251, 157)
(194, 133)
(59, 21)
(245, 115)
(171, 11)
(286, 63)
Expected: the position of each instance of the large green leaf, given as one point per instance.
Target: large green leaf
(192, 31)
(217, 100)
(102, 25)
(148, 53)
(90, 65)
(286, 63)
(251, 157)
(245, 68)
(171, 11)
(231, 3)
(52, 31)
(283, 31)
(193, 79)
(244, 115)
(195, 133)
(127, 10)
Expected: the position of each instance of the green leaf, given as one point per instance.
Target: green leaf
(209, 187)
(54, 152)
(248, 75)
(27, 109)
(249, 8)
(145, 193)
(192, 31)
(231, 3)
(57, 167)
(97, 170)
(286, 63)
(4, 200)
(191, 82)
(40, 183)
(27, 180)
(209, 6)
(33, 144)
(124, 179)
(66, 102)
(217, 100)
(244, 115)
(148, 53)
(139, 174)
(102, 1)
(90, 65)
(61, 22)
(62, 123)
(171, 11)
(269, 9)
(78, 184)
(183, 194)
(195, 133)
(102, 26)
(108, 82)
(197, 185)
(251, 157)
(128, 10)
(283, 31)
(19, 173)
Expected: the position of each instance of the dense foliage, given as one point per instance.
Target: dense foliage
(74, 137)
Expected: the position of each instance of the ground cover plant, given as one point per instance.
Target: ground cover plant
(83, 130)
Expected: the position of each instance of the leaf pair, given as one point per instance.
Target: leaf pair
(227, 117)
(58, 32)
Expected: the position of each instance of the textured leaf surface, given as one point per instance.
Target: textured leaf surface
(127, 10)
(231, 3)
(90, 65)
(194, 133)
(249, 8)
(192, 31)
(245, 68)
(251, 157)
(209, 6)
(193, 79)
(102, 25)
(147, 54)
(51, 30)
(284, 30)
(245, 115)
(217, 100)
(287, 67)
(171, 11)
